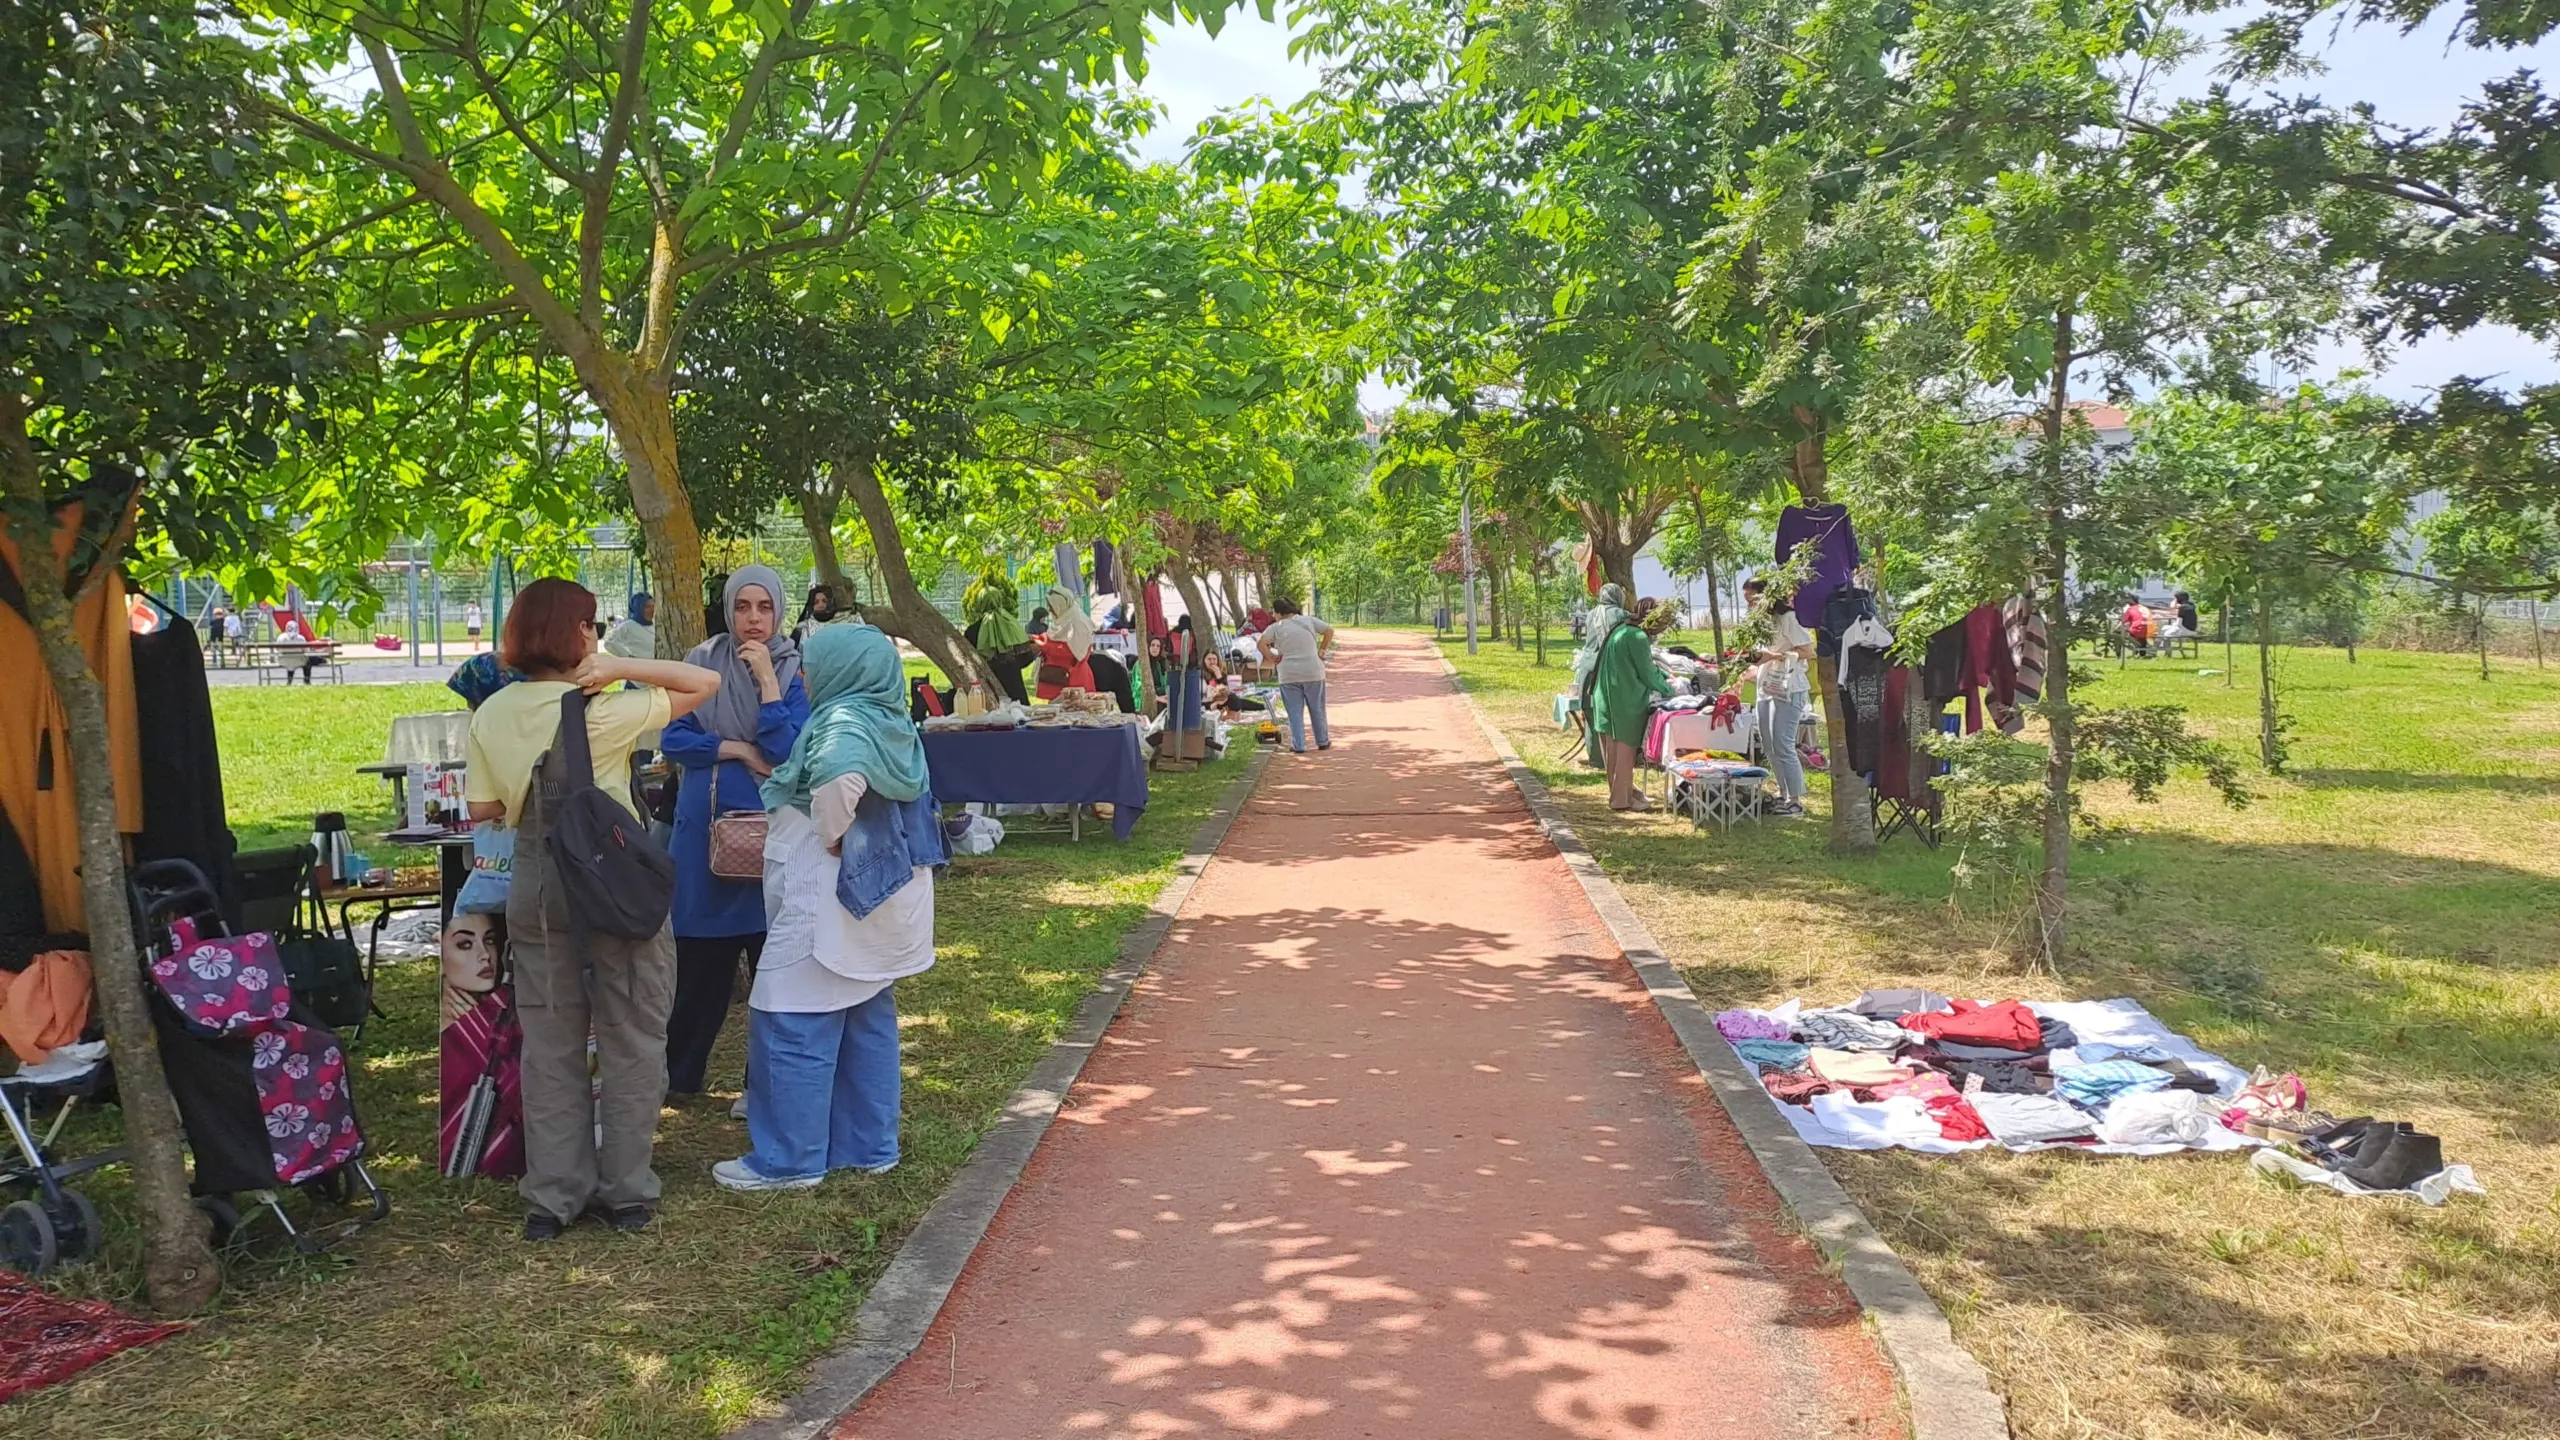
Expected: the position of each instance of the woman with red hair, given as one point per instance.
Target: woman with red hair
(621, 989)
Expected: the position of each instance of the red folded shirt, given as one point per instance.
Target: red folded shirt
(2005, 1023)
(1957, 1119)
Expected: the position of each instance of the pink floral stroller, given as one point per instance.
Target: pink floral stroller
(264, 1091)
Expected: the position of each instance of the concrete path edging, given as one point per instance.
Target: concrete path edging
(1947, 1391)
(904, 1300)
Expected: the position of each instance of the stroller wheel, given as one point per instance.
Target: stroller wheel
(225, 1217)
(27, 1239)
(78, 1231)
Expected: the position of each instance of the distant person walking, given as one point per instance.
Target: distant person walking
(1300, 643)
(471, 619)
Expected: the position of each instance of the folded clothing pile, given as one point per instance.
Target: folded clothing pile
(1917, 1069)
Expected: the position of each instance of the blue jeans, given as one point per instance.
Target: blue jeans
(1299, 698)
(826, 1089)
(1779, 717)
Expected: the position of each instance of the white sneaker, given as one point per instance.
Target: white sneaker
(739, 1110)
(739, 1175)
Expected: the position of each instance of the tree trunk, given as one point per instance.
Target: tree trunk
(2230, 667)
(2053, 879)
(1853, 820)
(903, 611)
(1706, 557)
(2268, 753)
(818, 503)
(1195, 600)
(641, 416)
(2533, 612)
(2480, 627)
(1234, 596)
(1614, 547)
(1538, 608)
(178, 1264)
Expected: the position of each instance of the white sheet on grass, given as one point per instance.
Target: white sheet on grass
(2122, 1023)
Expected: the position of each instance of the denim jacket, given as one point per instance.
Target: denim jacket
(882, 848)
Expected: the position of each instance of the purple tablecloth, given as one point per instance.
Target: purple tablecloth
(1064, 765)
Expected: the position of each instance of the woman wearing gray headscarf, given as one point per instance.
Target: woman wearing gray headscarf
(726, 749)
(1607, 612)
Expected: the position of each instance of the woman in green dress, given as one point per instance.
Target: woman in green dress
(1618, 680)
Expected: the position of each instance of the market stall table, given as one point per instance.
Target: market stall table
(1042, 765)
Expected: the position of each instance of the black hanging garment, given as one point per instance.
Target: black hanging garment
(182, 810)
(1942, 672)
(1862, 703)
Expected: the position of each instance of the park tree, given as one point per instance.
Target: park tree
(151, 341)
(814, 402)
(2267, 498)
(598, 173)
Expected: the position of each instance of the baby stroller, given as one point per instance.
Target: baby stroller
(265, 1092)
(55, 1225)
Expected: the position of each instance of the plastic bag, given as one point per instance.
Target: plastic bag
(493, 866)
(982, 835)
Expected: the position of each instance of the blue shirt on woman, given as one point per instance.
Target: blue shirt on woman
(707, 906)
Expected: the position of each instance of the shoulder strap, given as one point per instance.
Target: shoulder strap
(572, 743)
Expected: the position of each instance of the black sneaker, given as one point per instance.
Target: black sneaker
(541, 1225)
(630, 1219)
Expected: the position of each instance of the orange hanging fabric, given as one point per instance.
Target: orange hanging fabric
(36, 771)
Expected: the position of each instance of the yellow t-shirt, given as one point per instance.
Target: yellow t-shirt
(513, 728)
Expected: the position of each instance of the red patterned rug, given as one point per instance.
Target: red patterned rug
(45, 1338)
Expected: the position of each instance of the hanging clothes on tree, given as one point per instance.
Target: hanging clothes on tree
(1835, 554)
(182, 805)
(36, 772)
(1902, 766)
(1862, 690)
(1942, 671)
(1070, 570)
(1106, 572)
(1989, 673)
(2025, 628)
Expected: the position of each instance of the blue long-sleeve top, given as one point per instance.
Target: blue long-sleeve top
(707, 906)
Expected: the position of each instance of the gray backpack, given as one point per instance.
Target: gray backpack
(614, 878)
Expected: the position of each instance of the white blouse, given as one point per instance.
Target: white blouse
(817, 956)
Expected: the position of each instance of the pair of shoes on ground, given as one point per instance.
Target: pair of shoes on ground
(542, 1225)
(739, 1175)
(1784, 809)
(2377, 1154)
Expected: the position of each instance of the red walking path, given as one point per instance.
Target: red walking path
(1389, 1142)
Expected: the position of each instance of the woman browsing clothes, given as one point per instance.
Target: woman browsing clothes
(726, 750)
(619, 990)
(850, 856)
(1618, 680)
(1785, 681)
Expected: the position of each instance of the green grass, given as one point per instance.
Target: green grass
(440, 1322)
(290, 752)
(2385, 920)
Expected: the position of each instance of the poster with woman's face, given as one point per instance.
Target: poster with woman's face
(470, 962)
(482, 1131)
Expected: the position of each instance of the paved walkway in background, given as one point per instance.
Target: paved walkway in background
(1389, 1142)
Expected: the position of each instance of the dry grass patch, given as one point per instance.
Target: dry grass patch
(2386, 922)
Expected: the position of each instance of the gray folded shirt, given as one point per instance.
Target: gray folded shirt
(1849, 1030)
(2028, 1119)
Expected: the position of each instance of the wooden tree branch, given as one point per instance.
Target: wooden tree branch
(599, 186)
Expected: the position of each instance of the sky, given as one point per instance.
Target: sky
(2417, 80)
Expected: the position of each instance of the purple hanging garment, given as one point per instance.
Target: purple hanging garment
(1835, 554)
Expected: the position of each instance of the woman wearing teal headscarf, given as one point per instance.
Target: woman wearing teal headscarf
(822, 1034)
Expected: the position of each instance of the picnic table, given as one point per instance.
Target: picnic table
(1076, 765)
